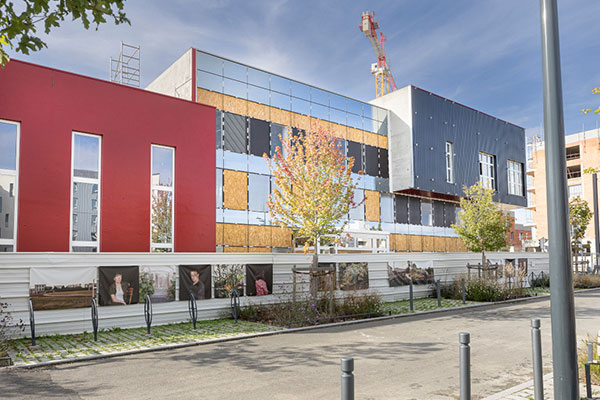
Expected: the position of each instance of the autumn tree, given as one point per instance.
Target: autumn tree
(588, 110)
(18, 25)
(481, 225)
(314, 189)
(579, 217)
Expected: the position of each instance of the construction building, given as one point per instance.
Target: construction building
(149, 164)
(582, 151)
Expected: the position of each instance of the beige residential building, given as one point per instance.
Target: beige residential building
(582, 151)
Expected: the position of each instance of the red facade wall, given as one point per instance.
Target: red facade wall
(51, 104)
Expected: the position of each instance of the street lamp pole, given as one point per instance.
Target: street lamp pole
(564, 346)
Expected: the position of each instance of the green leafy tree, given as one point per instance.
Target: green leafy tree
(19, 25)
(482, 226)
(314, 189)
(580, 216)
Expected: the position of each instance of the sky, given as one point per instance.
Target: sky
(484, 54)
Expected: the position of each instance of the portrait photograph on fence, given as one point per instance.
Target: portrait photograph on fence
(353, 276)
(59, 288)
(228, 277)
(421, 274)
(118, 286)
(158, 282)
(522, 262)
(194, 279)
(259, 279)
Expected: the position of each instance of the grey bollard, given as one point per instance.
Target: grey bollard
(464, 293)
(465, 365)
(411, 296)
(536, 343)
(347, 378)
(439, 292)
(590, 352)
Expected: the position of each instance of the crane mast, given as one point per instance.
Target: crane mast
(384, 81)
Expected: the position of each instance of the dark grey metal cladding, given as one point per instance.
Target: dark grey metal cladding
(437, 120)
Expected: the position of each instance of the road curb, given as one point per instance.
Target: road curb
(415, 314)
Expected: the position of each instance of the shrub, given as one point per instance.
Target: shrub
(480, 289)
(585, 281)
(8, 326)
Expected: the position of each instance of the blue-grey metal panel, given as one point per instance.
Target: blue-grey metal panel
(437, 120)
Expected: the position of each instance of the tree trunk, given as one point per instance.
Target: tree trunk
(314, 283)
(483, 257)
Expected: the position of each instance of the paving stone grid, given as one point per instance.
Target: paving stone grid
(114, 341)
(525, 391)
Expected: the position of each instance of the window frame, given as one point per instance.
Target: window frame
(169, 246)
(449, 149)
(514, 178)
(483, 160)
(93, 181)
(13, 242)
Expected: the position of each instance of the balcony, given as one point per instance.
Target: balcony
(573, 153)
(573, 171)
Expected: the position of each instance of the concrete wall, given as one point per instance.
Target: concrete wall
(176, 80)
(15, 276)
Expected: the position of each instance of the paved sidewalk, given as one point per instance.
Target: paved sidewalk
(524, 391)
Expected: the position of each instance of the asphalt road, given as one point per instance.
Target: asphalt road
(410, 358)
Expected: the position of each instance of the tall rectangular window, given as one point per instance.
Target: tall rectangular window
(515, 178)
(162, 198)
(9, 161)
(426, 212)
(487, 168)
(449, 162)
(85, 192)
(575, 191)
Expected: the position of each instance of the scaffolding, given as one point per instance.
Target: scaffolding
(126, 69)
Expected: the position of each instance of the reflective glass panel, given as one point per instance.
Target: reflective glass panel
(300, 106)
(258, 192)
(209, 63)
(280, 84)
(280, 100)
(258, 95)
(258, 78)
(8, 206)
(234, 71)
(86, 156)
(337, 116)
(85, 215)
(369, 111)
(358, 213)
(162, 166)
(355, 107)
(8, 146)
(337, 101)
(162, 216)
(234, 88)
(319, 96)
(219, 188)
(319, 111)
(209, 81)
(426, 213)
(354, 121)
(300, 90)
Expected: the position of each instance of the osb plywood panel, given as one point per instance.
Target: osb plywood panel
(235, 105)
(439, 244)
(382, 141)
(402, 242)
(372, 205)
(337, 130)
(235, 190)
(301, 121)
(259, 235)
(416, 243)
(211, 98)
(354, 134)
(370, 138)
(219, 234)
(259, 250)
(428, 243)
(236, 235)
(460, 246)
(280, 116)
(259, 111)
(235, 249)
(281, 237)
(452, 244)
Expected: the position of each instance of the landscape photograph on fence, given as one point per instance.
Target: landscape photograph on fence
(419, 274)
(195, 280)
(58, 288)
(158, 282)
(228, 277)
(353, 276)
(118, 285)
(259, 279)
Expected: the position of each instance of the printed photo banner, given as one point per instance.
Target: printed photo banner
(119, 286)
(420, 272)
(195, 279)
(158, 282)
(59, 288)
(228, 277)
(259, 279)
(353, 276)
